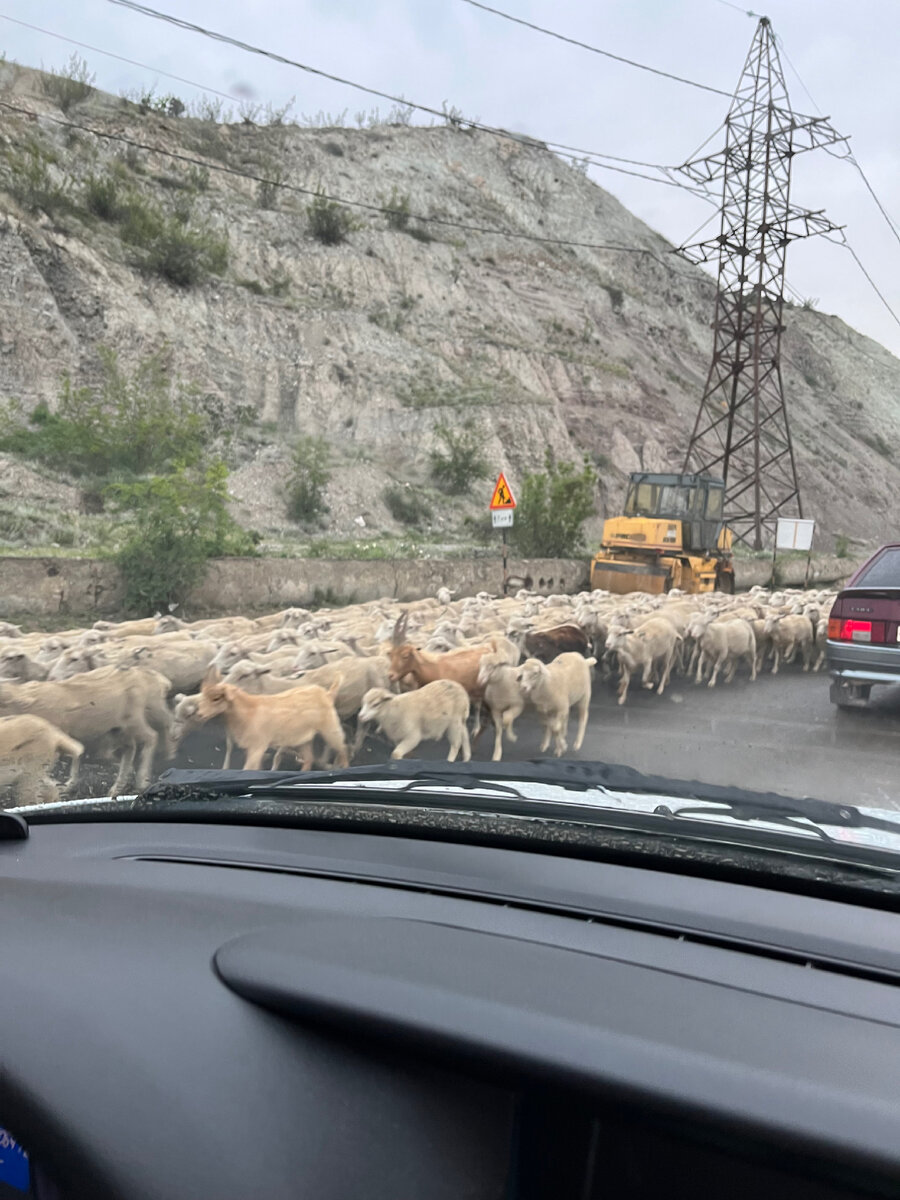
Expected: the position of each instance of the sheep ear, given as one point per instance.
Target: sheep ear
(211, 677)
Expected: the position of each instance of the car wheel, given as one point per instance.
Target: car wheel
(850, 695)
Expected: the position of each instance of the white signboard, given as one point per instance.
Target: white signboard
(503, 518)
(791, 534)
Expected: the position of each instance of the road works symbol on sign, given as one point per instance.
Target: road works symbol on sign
(502, 497)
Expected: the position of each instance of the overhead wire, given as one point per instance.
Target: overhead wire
(872, 282)
(593, 156)
(497, 12)
(132, 62)
(848, 156)
(283, 185)
(400, 100)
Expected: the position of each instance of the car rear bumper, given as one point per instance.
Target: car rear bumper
(858, 662)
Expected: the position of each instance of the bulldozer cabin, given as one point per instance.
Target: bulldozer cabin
(672, 535)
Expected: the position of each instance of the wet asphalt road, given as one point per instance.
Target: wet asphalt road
(778, 734)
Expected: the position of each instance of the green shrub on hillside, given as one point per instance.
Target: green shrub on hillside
(329, 222)
(405, 505)
(128, 424)
(71, 85)
(398, 210)
(460, 462)
(103, 196)
(29, 178)
(173, 245)
(176, 523)
(309, 478)
(552, 508)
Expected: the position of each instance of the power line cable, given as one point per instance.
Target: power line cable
(442, 113)
(121, 58)
(737, 8)
(872, 282)
(892, 225)
(779, 42)
(705, 87)
(590, 156)
(848, 156)
(223, 168)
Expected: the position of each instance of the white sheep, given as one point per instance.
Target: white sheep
(554, 689)
(653, 647)
(503, 697)
(725, 643)
(439, 709)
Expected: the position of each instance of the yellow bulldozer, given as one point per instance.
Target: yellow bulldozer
(672, 535)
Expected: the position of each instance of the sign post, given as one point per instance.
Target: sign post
(794, 534)
(503, 506)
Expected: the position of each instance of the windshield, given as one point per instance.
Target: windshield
(323, 401)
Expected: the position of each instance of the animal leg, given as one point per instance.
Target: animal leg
(126, 762)
(583, 707)
(715, 673)
(149, 740)
(466, 745)
(403, 747)
(333, 735)
(254, 758)
(498, 738)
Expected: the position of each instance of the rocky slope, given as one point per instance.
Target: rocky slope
(375, 343)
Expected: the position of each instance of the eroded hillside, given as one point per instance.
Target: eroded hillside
(408, 325)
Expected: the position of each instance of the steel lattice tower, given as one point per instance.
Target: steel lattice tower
(741, 433)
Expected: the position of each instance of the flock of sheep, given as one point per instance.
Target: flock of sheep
(300, 685)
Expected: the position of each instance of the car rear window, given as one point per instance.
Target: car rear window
(883, 572)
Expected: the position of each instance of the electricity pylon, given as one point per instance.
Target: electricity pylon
(742, 433)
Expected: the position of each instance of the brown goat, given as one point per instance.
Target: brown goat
(461, 666)
(286, 721)
(546, 644)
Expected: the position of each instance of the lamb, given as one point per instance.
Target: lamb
(653, 646)
(29, 746)
(436, 710)
(503, 697)
(725, 643)
(555, 688)
(286, 721)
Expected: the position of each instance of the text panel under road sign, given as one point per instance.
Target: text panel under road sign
(502, 518)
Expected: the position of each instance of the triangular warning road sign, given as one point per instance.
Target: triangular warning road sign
(502, 497)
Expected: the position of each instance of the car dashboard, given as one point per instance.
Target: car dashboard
(191, 1009)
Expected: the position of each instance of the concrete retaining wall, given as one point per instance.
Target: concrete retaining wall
(91, 588)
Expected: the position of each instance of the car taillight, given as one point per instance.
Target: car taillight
(840, 630)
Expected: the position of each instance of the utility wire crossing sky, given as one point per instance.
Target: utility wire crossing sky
(640, 81)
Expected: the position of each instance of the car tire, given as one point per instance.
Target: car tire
(850, 695)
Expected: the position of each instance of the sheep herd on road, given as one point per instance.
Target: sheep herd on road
(309, 687)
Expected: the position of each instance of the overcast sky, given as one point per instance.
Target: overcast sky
(444, 50)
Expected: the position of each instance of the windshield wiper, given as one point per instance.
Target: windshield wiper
(405, 776)
(748, 810)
